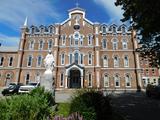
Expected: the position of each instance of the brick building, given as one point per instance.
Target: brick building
(87, 54)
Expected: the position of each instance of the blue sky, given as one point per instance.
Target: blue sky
(14, 12)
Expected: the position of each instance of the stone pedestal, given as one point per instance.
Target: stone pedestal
(47, 81)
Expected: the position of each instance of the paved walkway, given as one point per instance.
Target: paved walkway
(136, 106)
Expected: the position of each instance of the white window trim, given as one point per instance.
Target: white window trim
(103, 42)
(40, 44)
(104, 80)
(124, 61)
(106, 61)
(61, 59)
(123, 42)
(90, 44)
(118, 61)
(63, 40)
(30, 46)
(89, 58)
(51, 44)
(41, 61)
(9, 61)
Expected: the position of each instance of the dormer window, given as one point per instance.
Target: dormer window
(41, 29)
(123, 29)
(32, 30)
(104, 29)
(114, 29)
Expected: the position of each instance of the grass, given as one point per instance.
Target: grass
(63, 109)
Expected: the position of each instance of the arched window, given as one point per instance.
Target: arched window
(115, 44)
(8, 79)
(27, 78)
(76, 37)
(90, 80)
(31, 45)
(62, 59)
(124, 44)
(51, 29)
(61, 79)
(104, 44)
(104, 29)
(117, 81)
(50, 43)
(10, 61)
(1, 61)
(39, 61)
(106, 81)
(40, 44)
(29, 63)
(89, 58)
(105, 61)
(70, 58)
(126, 61)
(114, 29)
(123, 29)
(76, 57)
(128, 81)
(90, 38)
(116, 61)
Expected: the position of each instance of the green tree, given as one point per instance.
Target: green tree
(146, 20)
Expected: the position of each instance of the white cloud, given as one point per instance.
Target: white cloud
(9, 40)
(13, 12)
(114, 12)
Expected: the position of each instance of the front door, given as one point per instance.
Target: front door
(75, 79)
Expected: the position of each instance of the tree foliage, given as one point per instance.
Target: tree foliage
(146, 20)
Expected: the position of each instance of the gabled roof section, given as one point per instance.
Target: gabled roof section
(75, 65)
(76, 8)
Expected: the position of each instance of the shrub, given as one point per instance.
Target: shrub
(92, 105)
(34, 106)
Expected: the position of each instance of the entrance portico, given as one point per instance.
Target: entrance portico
(74, 76)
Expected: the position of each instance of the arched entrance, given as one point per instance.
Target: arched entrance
(74, 78)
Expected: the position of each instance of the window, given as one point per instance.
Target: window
(39, 61)
(105, 61)
(29, 64)
(10, 62)
(32, 30)
(90, 80)
(76, 37)
(62, 80)
(147, 72)
(8, 79)
(104, 29)
(115, 44)
(153, 71)
(114, 29)
(1, 61)
(81, 40)
(106, 81)
(90, 40)
(27, 78)
(76, 58)
(62, 59)
(40, 44)
(42, 29)
(51, 30)
(70, 58)
(124, 44)
(81, 58)
(50, 44)
(126, 61)
(31, 45)
(71, 40)
(116, 61)
(123, 29)
(104, 44)
(89, 58)
(63, 39)
(128, 81)
(117, 81)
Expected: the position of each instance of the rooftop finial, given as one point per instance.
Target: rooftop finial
(77, 4)
(25, 22)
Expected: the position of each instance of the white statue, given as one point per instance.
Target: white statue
(49, 61)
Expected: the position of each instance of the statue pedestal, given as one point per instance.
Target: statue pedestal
(47, 81)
